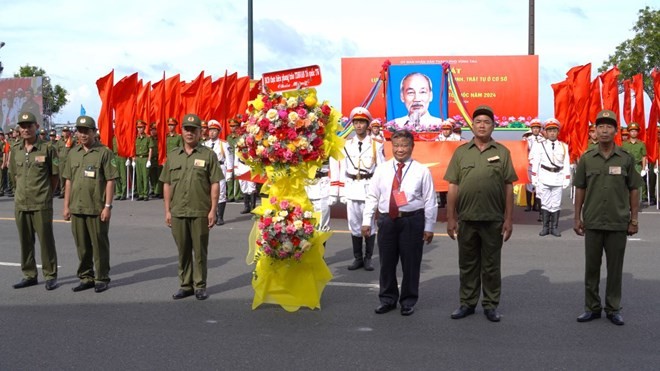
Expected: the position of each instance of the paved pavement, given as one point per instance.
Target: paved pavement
(136, 324)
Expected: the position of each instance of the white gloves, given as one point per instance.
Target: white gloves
(148, 164)
(655, 170)
(128, 162)
(342, 199)
(566, 183)
(133, 163)
(643, 172)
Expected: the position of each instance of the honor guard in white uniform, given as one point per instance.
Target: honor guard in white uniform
(533, 140)
(550, 175)
(226, 161)
(318, 192)
(447, 134)
(362, 155)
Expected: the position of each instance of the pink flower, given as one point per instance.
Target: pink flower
(283, 115)
(297, 255)
(273, 200)
(292, 134)
(277, 227)
(308, 228)
(290, 229)
(284, 204)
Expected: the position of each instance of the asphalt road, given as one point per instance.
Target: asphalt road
(136, 324)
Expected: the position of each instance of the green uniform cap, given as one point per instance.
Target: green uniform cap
(633, 126)
(66, 128)
(85, 122)
(42, 131)
(26, 118)
(606, 116)
(191, 120)
(484, 110)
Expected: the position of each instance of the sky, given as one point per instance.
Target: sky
(78, 41)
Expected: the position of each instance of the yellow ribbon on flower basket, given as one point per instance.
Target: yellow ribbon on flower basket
(289, 282)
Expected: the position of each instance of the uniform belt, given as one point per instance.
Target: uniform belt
(222, 162)
(551, 169)
(405, 214)
(320, 174)
(359, 176)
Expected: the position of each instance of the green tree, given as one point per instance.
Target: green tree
(54, 96)
(642, 52)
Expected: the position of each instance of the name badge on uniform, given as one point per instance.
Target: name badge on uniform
(494, 158)
(89, 174)
(199, 163)
(400, 198)
(615, 170)
(40, 159)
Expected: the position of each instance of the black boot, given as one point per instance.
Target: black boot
(220, 214)
(369, 251)
(537, 204)
(554, 224)
(357, 253)
(253, 200)
(528, 198)
(545, 216)
(246, 204)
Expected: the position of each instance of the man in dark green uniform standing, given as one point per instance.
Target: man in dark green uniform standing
(481, 213)
(90, 174)
(142, 163)
(233, 188)
(190, 184)
(63, 146)
(33, 167)
(173, 139)
(606, 207)
(121, 183)
(155, 169)
(637, 149)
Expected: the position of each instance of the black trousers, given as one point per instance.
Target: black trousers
(401, 238)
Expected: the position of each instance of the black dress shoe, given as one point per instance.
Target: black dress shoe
(367, 264)
(83, 286)
(26, 282)
(51, 284)
(492, 315)
(615, 318)
(182, 294)
(117, 197)
(357, 263)
(201, 294)
(462, 312)
(100, 286)
(384, 308)
(588, 316)
(407, 310)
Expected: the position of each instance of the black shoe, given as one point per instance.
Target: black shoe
(407, 310)
(588, 316)
(230, 200)
(100, 286)
(384, 308)
(201, 294)
(219, 222)
(528, 208)
(462, 312)
(652, 203)
(123, 198)
(117, 197)
(140, 198)
(52, 284)
(357, 263)
(26, 282)
(182, 294)
(615, 318)
(83, 286)
(367, 264)
(492, 315)
(146, 198)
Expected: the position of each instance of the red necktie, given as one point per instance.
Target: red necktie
(394, 209)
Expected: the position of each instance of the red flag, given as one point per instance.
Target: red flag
(579, 77)
(562, 91)
(173, 99)
(610, 80)
(104, 86)
(189, 95)
(627, 112)
(204, 99)
(158, 114)
(143, 103)
(652, 131)
(240, 98)
(255, 90)
(638, 110)
(595, 102)
(124, 99)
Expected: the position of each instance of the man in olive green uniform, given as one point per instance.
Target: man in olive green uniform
(190, 183)
(33, 167)
(143, 148)
(63, 146)
(637, 149)
(481, 213)
(593, 138)
(155, 169)
(606, 207)
(14, 140)
(233, 188)
(3, 162)
(121, 183)
(90, 172)
(43, 135)
(173, 139)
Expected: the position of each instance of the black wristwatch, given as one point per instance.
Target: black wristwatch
(108, 206)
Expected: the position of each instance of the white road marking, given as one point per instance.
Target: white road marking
(8, 264)
(350, 284)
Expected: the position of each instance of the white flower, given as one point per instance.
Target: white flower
(272, 114)
(283, 213)
(292, 102)
(260, 150)
(293, 116)
(287, 246)
(298, 224)
(241, 142)
(312, 117)
(308, 214)
(271, 139)
(305, 245)
(277, 219)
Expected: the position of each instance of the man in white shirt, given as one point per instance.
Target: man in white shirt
(402, 191)
(226, 161)
(362, 155)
